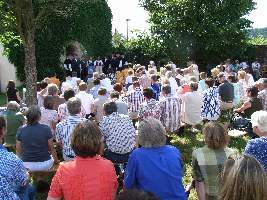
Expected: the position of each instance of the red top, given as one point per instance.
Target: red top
(85, 178)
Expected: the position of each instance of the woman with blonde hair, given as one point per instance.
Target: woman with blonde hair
(243, 179)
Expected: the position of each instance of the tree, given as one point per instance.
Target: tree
(202, 30)
(30, 25)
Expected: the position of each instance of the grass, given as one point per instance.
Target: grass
(186, 143)
(2, 99)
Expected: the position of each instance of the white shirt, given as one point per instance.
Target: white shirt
(173, 85)
(87, 101)
(107, 84)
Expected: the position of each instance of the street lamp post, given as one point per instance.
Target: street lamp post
(127, 22)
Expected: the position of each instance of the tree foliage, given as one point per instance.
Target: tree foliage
(54, 23)
(90, 24)
(203, 30)
(258, 40)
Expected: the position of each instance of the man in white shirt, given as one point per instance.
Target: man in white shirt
(86, 99)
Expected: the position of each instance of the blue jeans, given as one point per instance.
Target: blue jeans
(26, 193)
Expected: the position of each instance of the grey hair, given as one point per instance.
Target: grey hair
(13, 105)
(33, 114)
(74, 105)
(52, 89)
(110, 107)
(151, 133)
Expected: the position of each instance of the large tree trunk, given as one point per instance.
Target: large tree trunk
(30, 69)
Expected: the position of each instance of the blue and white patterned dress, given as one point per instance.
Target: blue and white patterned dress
(211, 104)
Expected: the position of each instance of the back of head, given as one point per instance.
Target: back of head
(52, 89)
(68, 94)
(13, 105)
(243, 179)
(11, 84)
(49, 102)
(102, 91)
(82, 86)
(86, 139)
(151, 133)
(118, 87)
(166, 89)
(96, 82)
(193, 86)
(43, 84)
(33, 115)
(148, 93)
(215, 135)
(209, 82)
(114, 95)
(110, 107)
(74, 105)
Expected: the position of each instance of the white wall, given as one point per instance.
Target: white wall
(7, 71)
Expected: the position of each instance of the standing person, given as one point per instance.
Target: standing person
(76, 66)
(149, 108)
(192, 103)
(35, 143)
(211, 104)
(88, 176)
(98, 65)
(68, 65)
(201, 84)
(226, 92)
(233, 80)
(84, 70)
(256, 67)
(170, 110)
(12, 92)
(173, 83)
(155, 161)
(135, 99)
(64, 129)
(106, 65)
(119, 134)
(243, 178)
(14, 182)
(86, 99)
(95, 89)
(208, 161)
(14, 119)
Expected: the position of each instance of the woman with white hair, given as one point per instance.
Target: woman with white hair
(258, 147)
(155, 167)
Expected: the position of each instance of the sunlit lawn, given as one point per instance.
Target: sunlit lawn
(2, 99)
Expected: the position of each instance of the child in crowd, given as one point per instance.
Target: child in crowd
(129, 80)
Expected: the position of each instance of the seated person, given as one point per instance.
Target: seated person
(243, 178)
(208, 161)
(14, 182)
(14, 119)
(252, 105)
(155, 167)
(119, 134)
(257, 147)
(35, 143)
(88, 176)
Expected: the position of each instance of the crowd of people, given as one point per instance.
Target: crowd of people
(89, 123)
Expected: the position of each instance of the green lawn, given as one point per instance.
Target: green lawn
(2, 99)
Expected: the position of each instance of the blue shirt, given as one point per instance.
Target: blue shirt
(158, 170)
(12, 174)
(156, 89)
(34, 142)
(258, 149)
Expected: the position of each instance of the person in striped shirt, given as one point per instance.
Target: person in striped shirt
(135, 99)
(170, 110)
(64, 129)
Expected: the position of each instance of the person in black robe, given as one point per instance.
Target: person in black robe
(68, 65)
